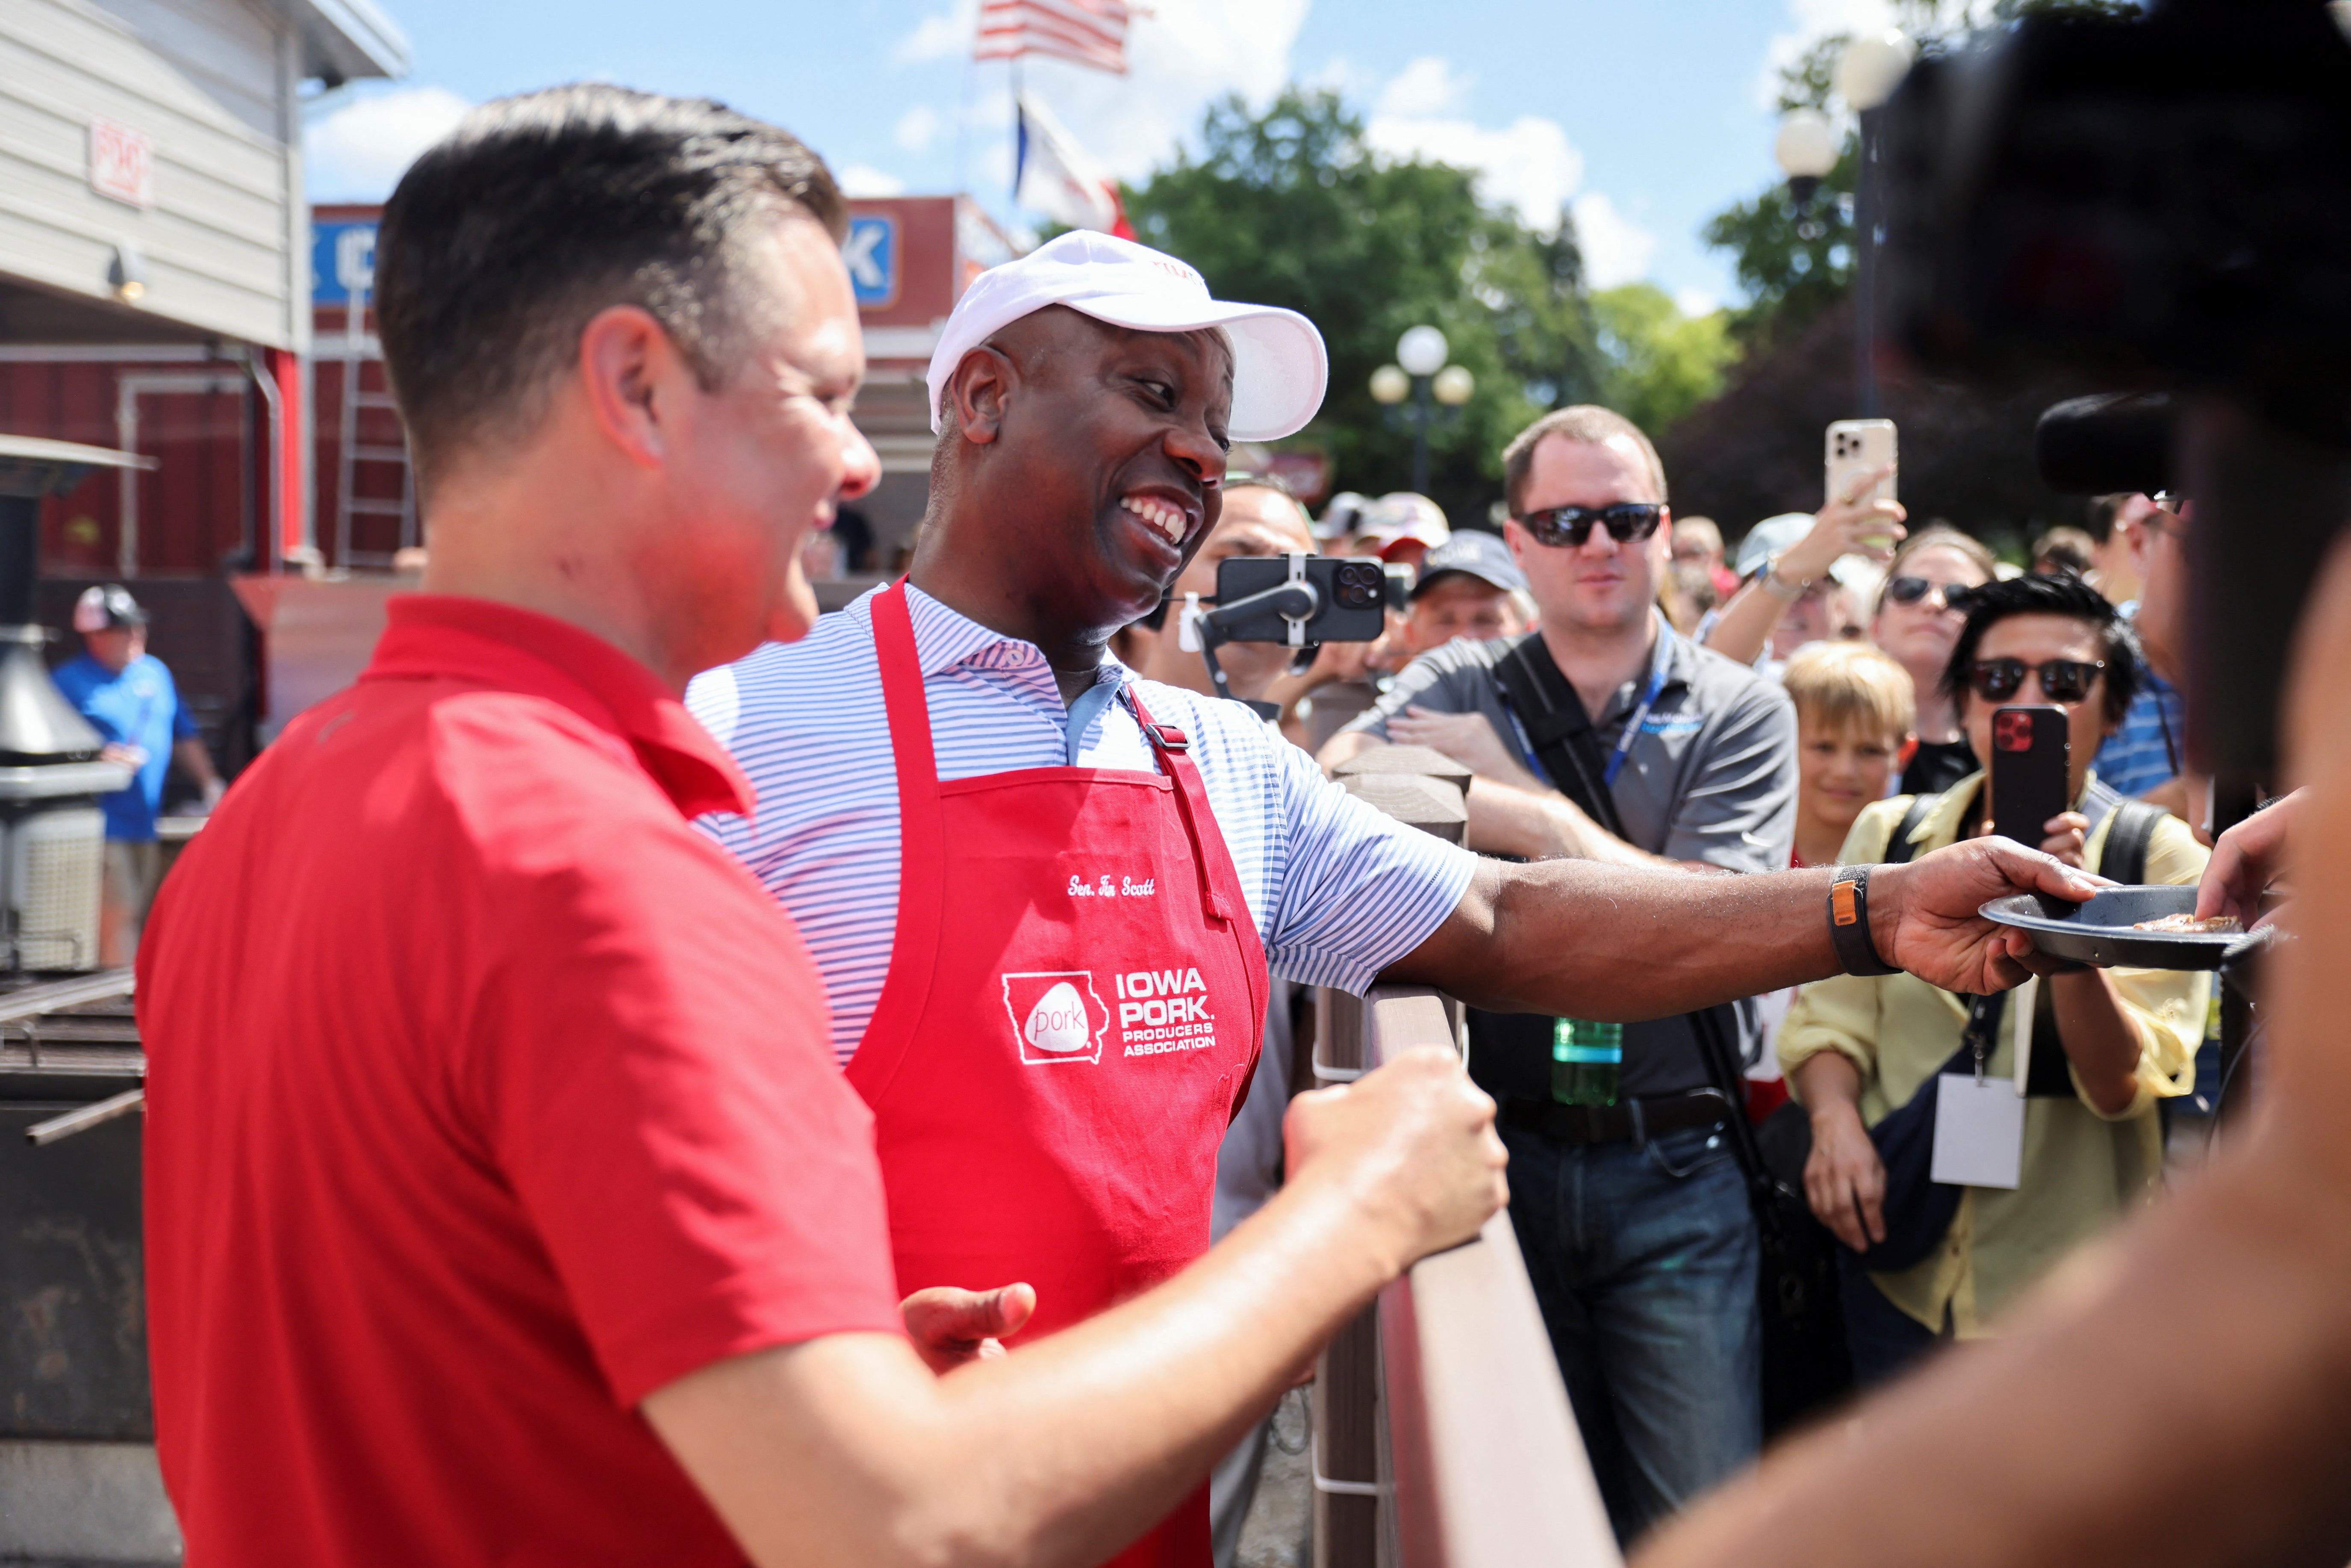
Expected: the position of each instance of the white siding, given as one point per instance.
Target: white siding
(220, 242)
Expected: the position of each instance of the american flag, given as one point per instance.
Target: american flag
(1090, 31)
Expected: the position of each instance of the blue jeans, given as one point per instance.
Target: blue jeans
(1884, 1339)
(1644, 1260)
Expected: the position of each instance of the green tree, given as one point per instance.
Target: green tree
(1662, 363)
(1289, 207)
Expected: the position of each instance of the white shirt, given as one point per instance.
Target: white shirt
(1337, 890)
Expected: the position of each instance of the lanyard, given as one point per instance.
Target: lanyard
(1640, 717)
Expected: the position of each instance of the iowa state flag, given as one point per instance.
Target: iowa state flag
(1054, 175)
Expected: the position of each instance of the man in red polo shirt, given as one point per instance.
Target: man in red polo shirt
(505, 1204)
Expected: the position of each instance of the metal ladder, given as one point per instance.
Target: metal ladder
(350, 454)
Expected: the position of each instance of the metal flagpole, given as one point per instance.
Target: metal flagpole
(1015, 63)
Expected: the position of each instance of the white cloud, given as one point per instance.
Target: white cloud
(358, 151)
(1615, 248)
(1696, 302)
(936, 36)
(917, 128)
(1529, 164)
(1429, 86)
(864, 180)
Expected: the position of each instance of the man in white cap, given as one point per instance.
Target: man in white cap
(1045, 894)
(129, 697)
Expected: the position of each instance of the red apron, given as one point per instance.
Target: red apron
(1073, 1013)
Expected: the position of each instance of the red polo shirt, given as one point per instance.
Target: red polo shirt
(485, 1096)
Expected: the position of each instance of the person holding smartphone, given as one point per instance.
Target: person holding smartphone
(2105, 1045)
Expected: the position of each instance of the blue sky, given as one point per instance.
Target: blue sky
(1645, 116)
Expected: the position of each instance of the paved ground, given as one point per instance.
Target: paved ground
(1275, 1535)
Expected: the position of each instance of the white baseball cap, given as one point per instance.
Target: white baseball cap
(1280, 369)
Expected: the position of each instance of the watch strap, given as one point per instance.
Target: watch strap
(1849, 923)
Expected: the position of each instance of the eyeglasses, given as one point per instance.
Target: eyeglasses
(1569, 526)
(2062, 680)
(1956, 596)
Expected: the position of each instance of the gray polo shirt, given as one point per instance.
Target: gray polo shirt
(1711, 777)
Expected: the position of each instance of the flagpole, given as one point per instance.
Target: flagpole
(1015, 64)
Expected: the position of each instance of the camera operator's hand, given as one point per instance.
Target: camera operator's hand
(1848, 527)
(2245, 861)
(951, 1326)
(1925, 918)
(1412, 1145)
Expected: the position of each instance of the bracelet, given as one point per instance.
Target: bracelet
(1856, 950)
(1779, 587)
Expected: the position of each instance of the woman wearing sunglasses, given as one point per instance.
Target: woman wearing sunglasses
(1919, 612)
(2106, 1044)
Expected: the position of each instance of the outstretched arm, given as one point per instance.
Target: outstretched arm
(848, 1450)
(1622, 941)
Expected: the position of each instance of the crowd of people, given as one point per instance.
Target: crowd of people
(624, 1073)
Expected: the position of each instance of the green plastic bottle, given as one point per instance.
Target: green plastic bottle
(1586, 1059)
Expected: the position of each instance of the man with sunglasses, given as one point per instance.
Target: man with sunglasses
(1662, 754)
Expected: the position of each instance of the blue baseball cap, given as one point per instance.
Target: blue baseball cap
(1472, 552)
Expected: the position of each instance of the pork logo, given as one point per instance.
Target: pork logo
(1056, 1016)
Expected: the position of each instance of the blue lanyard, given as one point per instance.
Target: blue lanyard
(1640, 715)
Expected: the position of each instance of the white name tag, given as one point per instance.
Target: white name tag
(1978, 1131)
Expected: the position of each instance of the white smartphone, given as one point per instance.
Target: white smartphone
(1857, 447)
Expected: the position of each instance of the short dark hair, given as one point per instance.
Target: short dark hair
(2057, 593)
(512, 231)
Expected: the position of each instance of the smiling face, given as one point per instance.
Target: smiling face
(1602, 585)
(1840, 769)
(1094, 467)
(767, 455)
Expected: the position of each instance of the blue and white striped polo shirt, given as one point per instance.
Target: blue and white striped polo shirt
(1338, 891)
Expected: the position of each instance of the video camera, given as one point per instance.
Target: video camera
(2165, 202)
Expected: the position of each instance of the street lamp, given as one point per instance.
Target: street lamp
(1806, 149)
(1866, 74)
(1420, 372)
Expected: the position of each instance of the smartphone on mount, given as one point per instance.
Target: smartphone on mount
(2031, 761)
(1855, 448)
(1350, 596)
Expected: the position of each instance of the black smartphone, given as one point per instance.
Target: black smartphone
(2031, 761)
(1350, 596)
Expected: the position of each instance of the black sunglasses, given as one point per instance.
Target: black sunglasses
(1956, 596)
(2062, 680)
(1570, 526)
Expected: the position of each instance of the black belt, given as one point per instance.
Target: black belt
(1632, 1120)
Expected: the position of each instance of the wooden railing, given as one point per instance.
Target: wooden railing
(1442, 1432)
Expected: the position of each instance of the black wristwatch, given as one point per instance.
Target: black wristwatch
(1849, 923)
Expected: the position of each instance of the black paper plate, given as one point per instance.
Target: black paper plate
(2100, 932)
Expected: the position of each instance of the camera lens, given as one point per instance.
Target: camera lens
(1355, 585)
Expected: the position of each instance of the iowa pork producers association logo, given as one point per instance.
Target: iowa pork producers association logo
(1058, 1016)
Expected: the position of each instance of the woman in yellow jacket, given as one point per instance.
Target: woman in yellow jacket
(1855, 1049)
